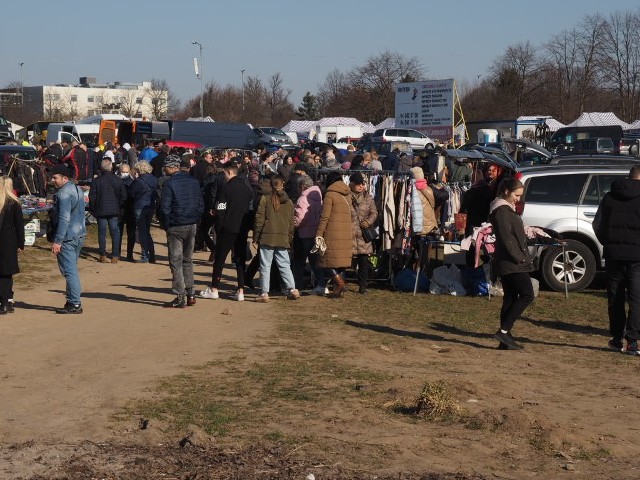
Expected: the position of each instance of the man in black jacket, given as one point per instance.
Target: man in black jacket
(616, 224)
(232, 223)
(181, 207)
(106, 197)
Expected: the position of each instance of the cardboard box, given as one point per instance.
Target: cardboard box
(33, 226)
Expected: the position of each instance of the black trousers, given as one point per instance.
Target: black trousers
(128, 222)
(227, 242)
(623, 283)
(363, 269)
(518, 295)
(6, 289)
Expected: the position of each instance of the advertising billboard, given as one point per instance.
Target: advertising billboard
(427, 107)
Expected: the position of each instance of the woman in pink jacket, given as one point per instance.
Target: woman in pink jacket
(306, 217)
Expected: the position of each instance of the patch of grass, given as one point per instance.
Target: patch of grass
(436, 402)
(589, 455)
(275, 436)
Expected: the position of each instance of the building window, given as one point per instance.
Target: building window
(90, 99)
(139, 100)
(74, 98)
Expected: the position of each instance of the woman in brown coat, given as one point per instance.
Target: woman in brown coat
(335, 229)
(363, 215)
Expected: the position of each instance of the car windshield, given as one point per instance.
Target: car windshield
(273, 131)
(606, 143)
(6, 155)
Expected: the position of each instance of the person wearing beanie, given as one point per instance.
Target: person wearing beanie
(69, 234)
(364, 214)
(423, 204)
(181, 206)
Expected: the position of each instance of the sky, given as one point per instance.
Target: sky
(135, 41)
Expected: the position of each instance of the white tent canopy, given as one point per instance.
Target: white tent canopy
(598, 119)
(551, 122)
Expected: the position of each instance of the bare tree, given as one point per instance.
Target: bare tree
(164, 103)
(278, 101)
(621, 61)
(374, 82)
(53, 108)
(131, 103)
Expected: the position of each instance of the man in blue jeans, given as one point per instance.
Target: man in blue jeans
(181, 207)
(68, 214)
(106, 199)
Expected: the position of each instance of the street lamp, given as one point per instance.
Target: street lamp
(199, 75)
(242, 72)
(21, 87)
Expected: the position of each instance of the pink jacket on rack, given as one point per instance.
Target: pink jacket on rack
(306, 215)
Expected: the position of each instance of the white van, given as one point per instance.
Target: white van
(87, 133)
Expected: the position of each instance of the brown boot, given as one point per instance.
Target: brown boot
(339, 288)
(115, 259)
(103, 259)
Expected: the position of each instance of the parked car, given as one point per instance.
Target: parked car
(594, 160)
(417, 139)
(630, 146)
(272, 136)
(567, 135)
(565, 199)
(588, 146)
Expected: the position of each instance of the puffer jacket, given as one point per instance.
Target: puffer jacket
(306, 216)
(427, 208)
(181, 201)
(274, 228)
(511, 252)
(363, 210)
(143, 191)
(107, 195)
(335, 227)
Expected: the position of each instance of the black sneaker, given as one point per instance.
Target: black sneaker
(69, 308)
(615, 345)
(632, 348)
(177, 302)
(11, 306)
(506, 339)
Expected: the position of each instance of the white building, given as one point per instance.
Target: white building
(70, 102)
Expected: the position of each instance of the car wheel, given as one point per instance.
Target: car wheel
(580, 269)
(633, 150)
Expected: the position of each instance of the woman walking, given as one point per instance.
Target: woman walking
(273, 232)
(11, 242)
(144, 192)
(511, 261)
(363, 215)
(335, 230)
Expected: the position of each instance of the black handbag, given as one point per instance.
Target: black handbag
(370, 234)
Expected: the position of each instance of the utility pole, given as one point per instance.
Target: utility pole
(242, 72)
(21, 89)
(199, 75)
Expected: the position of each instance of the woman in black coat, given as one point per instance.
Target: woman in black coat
(11, 241)
(511, 259)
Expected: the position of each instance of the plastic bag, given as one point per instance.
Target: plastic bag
(447, 281)
(405, 280)
(475, 281)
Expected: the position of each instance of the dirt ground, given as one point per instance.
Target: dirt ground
(562, 408)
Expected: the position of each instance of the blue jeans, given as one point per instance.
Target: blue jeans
(143, 229)
(114, 233)
(68, 264)
(181, 240)
(281, 255)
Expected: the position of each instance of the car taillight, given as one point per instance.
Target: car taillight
(518, 176)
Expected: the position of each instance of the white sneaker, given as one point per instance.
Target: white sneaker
(208, 293)
(293, 294)
(238, 296)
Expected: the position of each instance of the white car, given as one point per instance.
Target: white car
(418, 140)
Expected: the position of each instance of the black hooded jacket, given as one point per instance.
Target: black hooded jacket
(617, 222)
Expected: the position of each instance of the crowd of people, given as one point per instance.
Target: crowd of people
(300, 208)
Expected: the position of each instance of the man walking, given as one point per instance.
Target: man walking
(106, 197)
(616, 225)
(70, 231)
(181, 207)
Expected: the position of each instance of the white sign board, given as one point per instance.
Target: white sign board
(427, 107)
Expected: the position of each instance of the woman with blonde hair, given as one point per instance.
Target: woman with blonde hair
(11, 241)
(144, 192)
(274, 232)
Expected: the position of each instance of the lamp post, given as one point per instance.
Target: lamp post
(21, 88)
(242, 72)
(199, 74)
